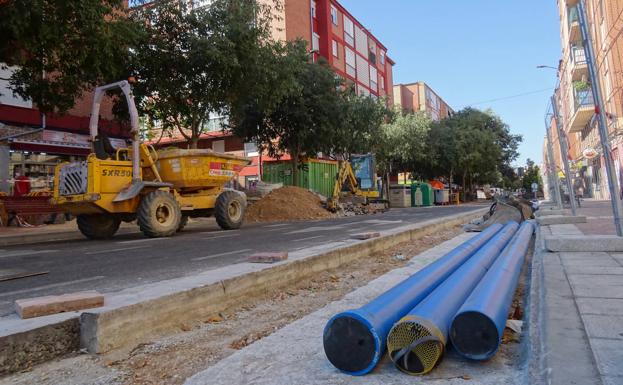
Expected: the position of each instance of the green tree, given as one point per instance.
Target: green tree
(192, 62)
(307, 119)
(531, 175)
(63, 48)
(405, 147)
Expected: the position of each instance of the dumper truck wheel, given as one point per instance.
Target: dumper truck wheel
(183, 223)
(159, 214)
(98, 226)
(229, 210)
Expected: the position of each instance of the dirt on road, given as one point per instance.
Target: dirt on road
(287, 204)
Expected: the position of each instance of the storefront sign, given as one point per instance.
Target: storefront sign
(77, 140)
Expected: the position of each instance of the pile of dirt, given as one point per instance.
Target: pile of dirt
(287, 204)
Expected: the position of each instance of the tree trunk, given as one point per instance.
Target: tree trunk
(295, 168)
(465, 186)
(194, 141)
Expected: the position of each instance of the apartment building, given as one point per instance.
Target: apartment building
(575, 97)
(419, 96)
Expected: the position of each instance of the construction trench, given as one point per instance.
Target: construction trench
(131, 365)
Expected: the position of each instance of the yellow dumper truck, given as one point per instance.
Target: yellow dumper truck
(159, 189)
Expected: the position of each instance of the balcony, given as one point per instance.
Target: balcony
(579, 68)
(573, 20)
(583, 111)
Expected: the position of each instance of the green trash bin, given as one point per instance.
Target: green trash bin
(416, 195)
(427, 194)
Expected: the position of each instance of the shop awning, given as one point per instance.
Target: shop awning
(50, 147)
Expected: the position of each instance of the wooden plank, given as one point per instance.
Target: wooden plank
(53, 304)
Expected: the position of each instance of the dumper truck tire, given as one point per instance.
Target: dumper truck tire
(98, 226)
(159, 214)
(229, 210)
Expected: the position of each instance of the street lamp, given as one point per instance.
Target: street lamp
(544, 66)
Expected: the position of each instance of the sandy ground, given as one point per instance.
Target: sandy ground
(200, 345)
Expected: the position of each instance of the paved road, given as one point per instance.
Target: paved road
(130, 260)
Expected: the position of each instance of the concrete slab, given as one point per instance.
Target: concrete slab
(53, 304)
(597, 286)
(578, 263)
(583, 243)
(609, 355)
(606, 306)
(294, 354)
(604, 326)
(560, 220)
(592, 269)
(551, 211)
(564, 229)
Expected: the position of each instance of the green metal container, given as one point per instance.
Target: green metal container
(427, 193)
(314, 174)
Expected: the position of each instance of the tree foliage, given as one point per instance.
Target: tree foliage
(531, 175)
(191, 62)
(63, 48)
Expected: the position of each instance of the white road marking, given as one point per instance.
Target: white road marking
(308, 238)
(26, 253)
(141, 240)
(220, 236)
(115, 250)
(277, 225)
(50, 286)
(316, 228)
(221, 254)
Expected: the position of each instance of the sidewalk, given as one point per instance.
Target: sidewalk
(580, 314)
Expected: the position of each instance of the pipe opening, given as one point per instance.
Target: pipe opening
(349, 344)
(474, 335)
(415, 348)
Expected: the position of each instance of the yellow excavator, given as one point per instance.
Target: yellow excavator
(348, 187)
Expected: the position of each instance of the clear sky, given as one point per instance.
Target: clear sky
(472, 51)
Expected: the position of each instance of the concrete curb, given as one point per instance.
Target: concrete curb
(140, 314)
(560, 220)
(583, 243)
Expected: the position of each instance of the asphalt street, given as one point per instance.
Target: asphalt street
(131, 259)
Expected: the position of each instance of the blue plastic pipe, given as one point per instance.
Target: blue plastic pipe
(354, 341)
(477, 328)
(416, 343)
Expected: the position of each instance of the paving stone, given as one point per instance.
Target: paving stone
(364, 236)
(612, 380)
(560, 220)
(583, 243)
(606, 306)
(598, 286)
(268, 257)
(603, 326)
(53, 304)
(609, 355)
(569, 229)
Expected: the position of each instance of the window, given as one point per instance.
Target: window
(382, 81)
(373, 79)
(372, 56)
(349, 31)
(334, 15)
(350, 62)
(335, 51)
(218, 146)
(363, 71)
(313, 8)
(361, 41)
(250, 149)
(382, 58)
(315, 42)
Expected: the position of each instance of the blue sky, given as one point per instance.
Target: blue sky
(470, 51)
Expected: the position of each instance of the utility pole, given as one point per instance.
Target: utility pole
(613, 184)
(562, 141)
(553, 175)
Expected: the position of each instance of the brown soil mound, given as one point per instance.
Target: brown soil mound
(287, 204)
